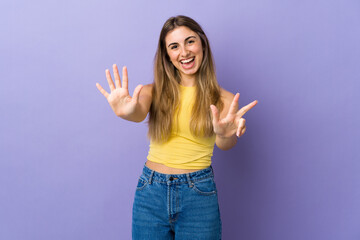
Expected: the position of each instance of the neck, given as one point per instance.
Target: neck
(188, 81)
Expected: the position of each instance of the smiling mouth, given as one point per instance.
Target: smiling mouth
(187, 61)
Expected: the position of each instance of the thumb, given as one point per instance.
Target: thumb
(215, 113)
(136, 93)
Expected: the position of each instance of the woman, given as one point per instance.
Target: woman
(176, 195)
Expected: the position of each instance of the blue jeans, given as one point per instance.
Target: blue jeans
(176, 206)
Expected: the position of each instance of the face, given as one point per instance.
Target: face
(185, 50)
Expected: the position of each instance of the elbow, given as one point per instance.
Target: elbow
(136, 119)
(225, 148)
(226, 144)
(139, 120)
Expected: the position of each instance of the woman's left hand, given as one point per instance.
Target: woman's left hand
(233, 123)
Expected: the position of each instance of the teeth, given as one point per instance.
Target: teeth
(188, 60)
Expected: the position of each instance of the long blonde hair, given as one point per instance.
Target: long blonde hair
(165, 92)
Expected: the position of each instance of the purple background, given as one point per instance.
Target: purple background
(69, 166)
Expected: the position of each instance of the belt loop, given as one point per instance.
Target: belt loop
(189, 180)
(212, 170)
(151, 175)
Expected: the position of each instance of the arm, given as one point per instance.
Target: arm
(229, 124)
(222, 142)
(129, 108)
(142, 107)
(225, 143)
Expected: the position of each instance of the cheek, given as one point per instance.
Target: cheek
(199, 50)
(172, 57)
(201, 55)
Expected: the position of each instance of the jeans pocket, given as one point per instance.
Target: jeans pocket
(205, 186)
(142, 183)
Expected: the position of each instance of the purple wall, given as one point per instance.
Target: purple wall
(69, 166)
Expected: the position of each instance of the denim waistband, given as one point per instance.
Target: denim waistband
(185, 177)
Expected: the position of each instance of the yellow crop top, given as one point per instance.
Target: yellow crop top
(183, 150)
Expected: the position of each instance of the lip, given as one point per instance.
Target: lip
(189, 65)
(184, 59)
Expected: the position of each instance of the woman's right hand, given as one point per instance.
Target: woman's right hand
(119, 99)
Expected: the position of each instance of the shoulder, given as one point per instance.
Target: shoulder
(147, 89)
(227, 98)
(145, 97)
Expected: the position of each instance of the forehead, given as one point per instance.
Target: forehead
(179, 34)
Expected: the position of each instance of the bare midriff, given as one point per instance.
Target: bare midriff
(161, 168)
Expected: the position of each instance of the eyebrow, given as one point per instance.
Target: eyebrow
(185, 40)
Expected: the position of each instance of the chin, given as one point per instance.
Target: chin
(191, 71)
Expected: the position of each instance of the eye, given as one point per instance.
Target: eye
(173, 47)
(191, 41)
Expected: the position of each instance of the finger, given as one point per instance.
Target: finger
(234, 104)
(102, 90)
(136, 94)
(246, 108)
(240, 126)
(109, 80)
(215, 114)
(243, 131)
(117, 76)
(125, 77)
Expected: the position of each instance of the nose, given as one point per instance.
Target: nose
(184, 52)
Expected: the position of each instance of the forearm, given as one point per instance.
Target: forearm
(226, 143)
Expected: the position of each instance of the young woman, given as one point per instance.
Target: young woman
(176, 196)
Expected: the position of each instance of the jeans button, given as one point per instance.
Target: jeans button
(171, 178)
